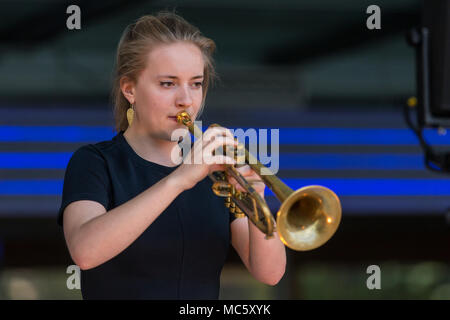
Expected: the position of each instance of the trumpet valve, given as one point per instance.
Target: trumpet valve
(228, 202)
(238, 213)
(223, 189)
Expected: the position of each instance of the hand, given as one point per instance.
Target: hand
(252, 177)
(200, 161)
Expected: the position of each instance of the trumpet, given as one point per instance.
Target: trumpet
(307, 218)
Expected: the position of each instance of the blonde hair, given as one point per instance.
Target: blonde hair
(136, 42)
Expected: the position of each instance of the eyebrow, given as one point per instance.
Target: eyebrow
(175, 77)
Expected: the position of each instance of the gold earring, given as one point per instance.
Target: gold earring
(130, 114)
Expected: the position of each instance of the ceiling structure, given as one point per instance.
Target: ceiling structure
(288, 53)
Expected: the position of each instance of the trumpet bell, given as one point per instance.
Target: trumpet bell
(308, 218)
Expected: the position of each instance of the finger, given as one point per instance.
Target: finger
(229, 133)
(219, 160)
(196, 153)
(213, 132)
(236, 185)
(219, 143)
(245, 170)
(217, 167)
(202, 152)
(226, 131)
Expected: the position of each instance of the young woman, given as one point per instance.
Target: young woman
(138, 225)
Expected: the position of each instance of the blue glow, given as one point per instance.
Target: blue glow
(356, 136)
(31, 187)
(34, 160)
(298, 161)
(55, 134)
(354, 161)
(299, 136)
(342, 187)
(376, 187)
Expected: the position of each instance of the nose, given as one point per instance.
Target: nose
(184, 98)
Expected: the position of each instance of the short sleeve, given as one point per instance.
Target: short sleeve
(86, 178)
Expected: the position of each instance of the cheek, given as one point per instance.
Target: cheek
(197, 97)
(154, 101)
(150, 95)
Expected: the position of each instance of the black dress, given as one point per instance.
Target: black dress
(179, 256)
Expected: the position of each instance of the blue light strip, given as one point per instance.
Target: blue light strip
(55, 134)
(351, 161)
(377, 187)
(357, 136)
(296, 161)
(34, 160)
(342, 187)
(31, 187)
(299, 136)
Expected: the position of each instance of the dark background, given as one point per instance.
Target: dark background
(312, 69)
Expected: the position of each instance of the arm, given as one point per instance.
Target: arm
(94, 236)
(264, 258)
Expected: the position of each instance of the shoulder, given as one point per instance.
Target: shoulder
(87, 155)
(94, 152)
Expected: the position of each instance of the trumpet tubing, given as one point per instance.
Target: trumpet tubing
(307, 217)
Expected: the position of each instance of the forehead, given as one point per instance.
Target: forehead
(178, 59)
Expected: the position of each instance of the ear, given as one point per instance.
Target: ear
(127, 87)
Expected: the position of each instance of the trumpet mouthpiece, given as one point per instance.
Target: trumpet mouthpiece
(184, 118)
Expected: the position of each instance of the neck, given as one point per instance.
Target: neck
(151, 148)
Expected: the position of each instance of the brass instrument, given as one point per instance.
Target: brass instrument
(306, 219)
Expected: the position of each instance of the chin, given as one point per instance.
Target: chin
(166, 136)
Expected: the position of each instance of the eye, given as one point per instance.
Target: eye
(166, 84)
(198, 84)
